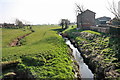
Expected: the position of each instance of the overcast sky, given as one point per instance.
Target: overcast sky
(49, 11)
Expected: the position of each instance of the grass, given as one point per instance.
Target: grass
(44, 54)
(93, 32)
(8, 35)
(71, 29)
(35, 43)
(105, 47)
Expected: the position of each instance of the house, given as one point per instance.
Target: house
(102, 20)
(86, 19)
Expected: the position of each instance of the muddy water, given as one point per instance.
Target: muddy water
(85, 72)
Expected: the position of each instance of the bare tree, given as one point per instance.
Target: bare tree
(80, 9)
(114, 9)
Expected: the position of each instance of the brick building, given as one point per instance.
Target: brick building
(86, 19)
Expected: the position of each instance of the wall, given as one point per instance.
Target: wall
(87, 18)
(99, 29)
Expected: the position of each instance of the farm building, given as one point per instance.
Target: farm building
(86, 19)
(102, 20)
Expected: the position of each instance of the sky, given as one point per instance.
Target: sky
(49, 11)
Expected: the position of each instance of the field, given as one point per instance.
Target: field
(43, 54)
(8, 35)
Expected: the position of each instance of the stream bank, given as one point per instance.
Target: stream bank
(83, 70)
(98, 53)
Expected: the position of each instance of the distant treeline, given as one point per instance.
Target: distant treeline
(12, 26)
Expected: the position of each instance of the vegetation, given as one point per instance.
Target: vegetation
(64, 23)
(102, 51)
(115, 30)
(8, 35)
(43, 55)
(92, 32)
(19, 23)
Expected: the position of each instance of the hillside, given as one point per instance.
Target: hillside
(43, 54)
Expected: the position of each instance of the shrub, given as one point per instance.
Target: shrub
(115, 30)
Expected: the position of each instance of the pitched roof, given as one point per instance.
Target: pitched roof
(87, 11)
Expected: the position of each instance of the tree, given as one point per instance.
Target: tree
(64, 23)
(79, 10)
(114, 10)
(19, 23)
(116, 21)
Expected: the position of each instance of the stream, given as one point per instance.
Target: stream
(85, 72)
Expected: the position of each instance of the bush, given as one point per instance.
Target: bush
(115, 30)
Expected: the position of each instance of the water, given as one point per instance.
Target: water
(84, 71)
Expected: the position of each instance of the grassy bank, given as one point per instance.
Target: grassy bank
(102, 51)
(8, 35)
(43, 55)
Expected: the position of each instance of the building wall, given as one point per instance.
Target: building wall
(79, 20)
(102, 20)
(87, 18)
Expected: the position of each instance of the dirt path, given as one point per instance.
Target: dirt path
(15, 42)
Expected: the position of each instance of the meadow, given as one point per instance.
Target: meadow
(8, 35)
(43, 54)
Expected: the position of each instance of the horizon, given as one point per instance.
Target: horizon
(49, 12)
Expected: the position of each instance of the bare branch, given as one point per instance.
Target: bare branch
(113, 9)
(80, 8)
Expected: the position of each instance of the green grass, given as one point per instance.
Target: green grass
(44, 54)
(71, 29)
(8, 35)
(93, 32)
(37, 42)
